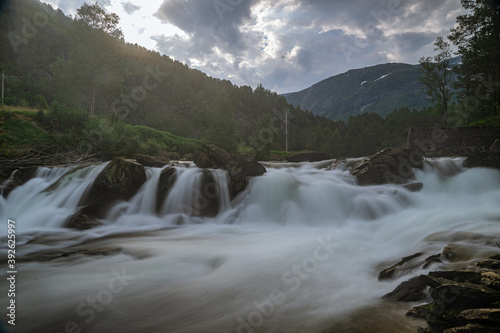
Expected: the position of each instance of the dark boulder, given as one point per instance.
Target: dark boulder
(489, 263)
(152, 161)
(434, 259)
(119, 181)
(408, 291)
(167, 180)
(239, 167)
(486, 159)
(206, 201)
(404, 264)
(473, 328)
(461, 300)
(389, 166)
(212, 157)
(492, 315)
(308, 156)
(81, 221)
(202, 160)
(414, 187)
(17, 178)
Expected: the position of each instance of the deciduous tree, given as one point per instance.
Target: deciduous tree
(437, 75)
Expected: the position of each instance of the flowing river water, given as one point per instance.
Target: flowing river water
(299, 251)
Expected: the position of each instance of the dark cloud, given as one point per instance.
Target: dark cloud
(209, 23)
(288, 45)
(130, 8)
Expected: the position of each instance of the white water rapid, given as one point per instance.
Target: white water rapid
(299, 251)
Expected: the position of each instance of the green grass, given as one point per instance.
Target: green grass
(172, 142)
(18, 132)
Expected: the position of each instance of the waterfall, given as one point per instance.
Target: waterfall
(183, 196)
(299, 250)
(47, 200)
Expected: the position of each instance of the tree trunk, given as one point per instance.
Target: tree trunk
(92, 103)
(445, 114)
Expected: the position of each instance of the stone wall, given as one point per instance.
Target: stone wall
(464, 141)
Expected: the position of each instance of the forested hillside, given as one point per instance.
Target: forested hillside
(97, 94)
(380, 89)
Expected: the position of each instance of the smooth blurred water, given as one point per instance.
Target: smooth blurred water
(299, 251)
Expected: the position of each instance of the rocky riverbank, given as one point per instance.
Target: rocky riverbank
(462, 300)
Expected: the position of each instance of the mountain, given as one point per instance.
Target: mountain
(379, 89)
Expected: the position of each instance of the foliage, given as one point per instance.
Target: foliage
(17, 132)
(477, 37)
(222, 128)
(42, 106)
(61, 118)
(376, 89)
(111, 98)
(97, 18)
(436, 76)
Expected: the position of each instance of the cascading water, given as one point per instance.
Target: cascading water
(298, 251)
(47, 200)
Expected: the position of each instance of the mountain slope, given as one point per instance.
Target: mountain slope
(379, 89)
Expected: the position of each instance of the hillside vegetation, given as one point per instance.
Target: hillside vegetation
(379, 89)
(96, 95)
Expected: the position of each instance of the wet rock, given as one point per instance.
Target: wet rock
(490, 279)
(207, 199)
(167, 180)
(389, 272)
(17, 178)
(486, 159)
(489, 263)
(408, 291)
(119, 181)
(389, 166)
(472, 328)
(212, 157)
(217, 158)
(432, 260)
(457, 276)
(495, 256)
(152, 161)
(202, 160)
(458, 300)
(457, 252)
(239, 167)
(81, 221)
(308, 156)
(465, 295)
(414, 187)
(87, 252)
(490, 316)
(495, 146)
(424, 330)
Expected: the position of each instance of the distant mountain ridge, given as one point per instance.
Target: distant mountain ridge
(379, 89)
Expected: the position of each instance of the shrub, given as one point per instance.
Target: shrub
(61, 118)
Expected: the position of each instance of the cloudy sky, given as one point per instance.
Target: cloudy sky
(287, 45)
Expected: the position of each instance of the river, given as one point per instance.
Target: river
(298, 251)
